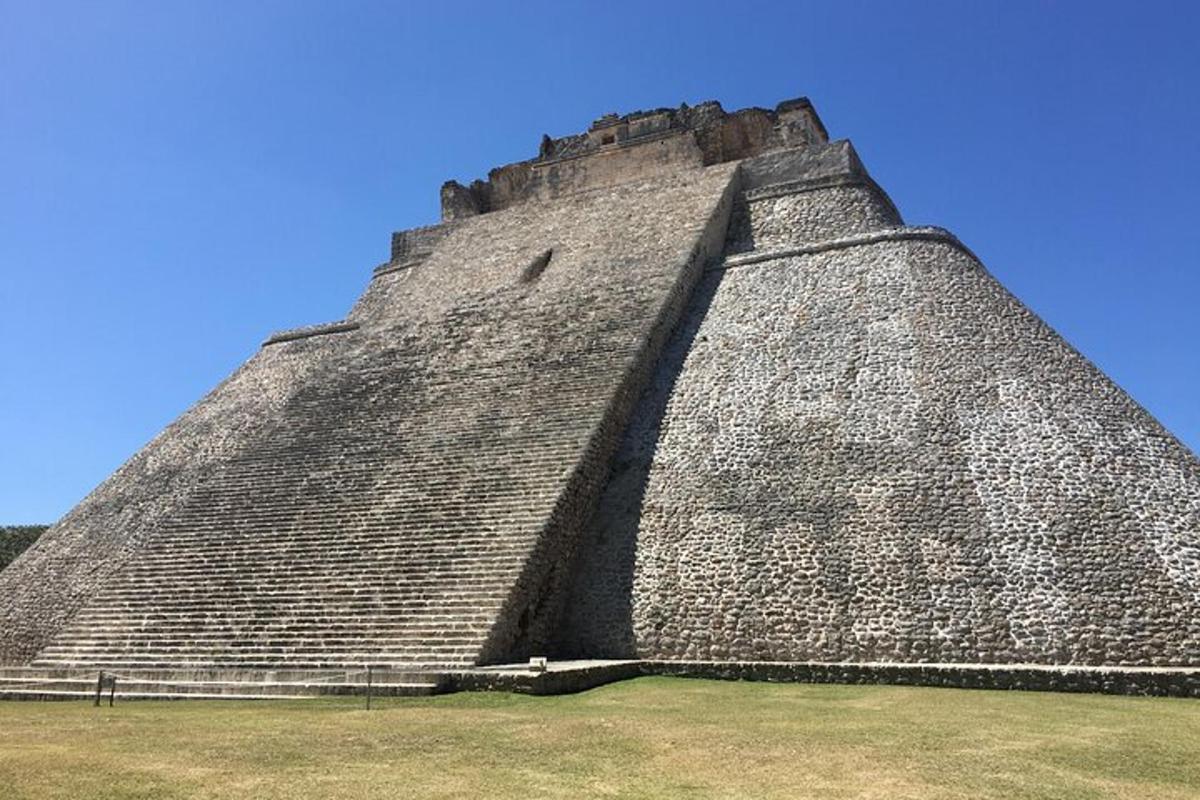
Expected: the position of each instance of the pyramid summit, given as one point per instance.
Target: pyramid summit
(683, 389)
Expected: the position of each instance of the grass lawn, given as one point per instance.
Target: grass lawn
(650, 738)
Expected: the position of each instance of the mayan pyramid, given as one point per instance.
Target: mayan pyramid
(683, 386)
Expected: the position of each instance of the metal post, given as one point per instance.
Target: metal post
(370, 669)
(112, 690)
(99, 688)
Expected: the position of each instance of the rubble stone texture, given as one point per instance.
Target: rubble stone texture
(682, 387)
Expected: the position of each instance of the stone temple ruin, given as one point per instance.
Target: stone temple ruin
(682, 391)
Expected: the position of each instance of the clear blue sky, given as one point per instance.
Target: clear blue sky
(179, 179)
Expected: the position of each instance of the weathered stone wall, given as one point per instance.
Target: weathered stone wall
(778, 217)
(617, 149)
(873, 452)
(404, 487)
(1157, 682)
(665, 154)
(810, 194)
(415, 244)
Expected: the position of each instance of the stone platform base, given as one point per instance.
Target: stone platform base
(39, 683)
(559, 677)
(1161, 681)
(566, 677)
(563, 677)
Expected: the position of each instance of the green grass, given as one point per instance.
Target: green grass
(648, 738)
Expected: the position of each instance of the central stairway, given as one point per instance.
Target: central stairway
(399, 491)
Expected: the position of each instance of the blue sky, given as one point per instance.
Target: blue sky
(179, 179)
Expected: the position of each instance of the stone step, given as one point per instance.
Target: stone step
(44, 695)
(277, 605)
(117, 662)
(343, 529)
(364, 558)
(363, 574)
(361, 652)
(332, 545)
(314, 540)
(419, 504)
(355, 602)
(182, 634)
(236, 675)
(436, 447)
(412, 648)
(40, 695)
(294, 611)
(317, 542)
(122, 663)
(442, 447)
(318, 617)
(507, 517)
(273, 659)
(353, 563)
(133, 686)
(459, 589)
(361, 570)
(220, 634)
(211, 625)
(334, 584)
(377, 603)
(311, 559)
(249, 620)
(268, 607)
(284, 549)
(502, 518)
(234, 642)
(346, 584)
(361, 598)
(423, 500)
(231, 646)
(444, 586)
(387, 611)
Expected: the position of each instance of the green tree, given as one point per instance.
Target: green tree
(15, 538)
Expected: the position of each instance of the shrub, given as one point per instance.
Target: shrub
(15, 538)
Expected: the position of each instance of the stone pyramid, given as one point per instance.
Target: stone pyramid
(682, 387)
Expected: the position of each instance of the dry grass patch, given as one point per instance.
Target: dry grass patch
(648, 738)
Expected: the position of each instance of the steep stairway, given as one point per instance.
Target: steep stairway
(267, 566)
(410, 501)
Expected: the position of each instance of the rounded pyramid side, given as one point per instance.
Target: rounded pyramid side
(873, 452)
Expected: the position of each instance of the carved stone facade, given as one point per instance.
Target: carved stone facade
(683, 387)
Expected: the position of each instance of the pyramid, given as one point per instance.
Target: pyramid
(683, 387)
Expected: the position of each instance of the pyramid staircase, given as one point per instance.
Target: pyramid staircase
(408, 503)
